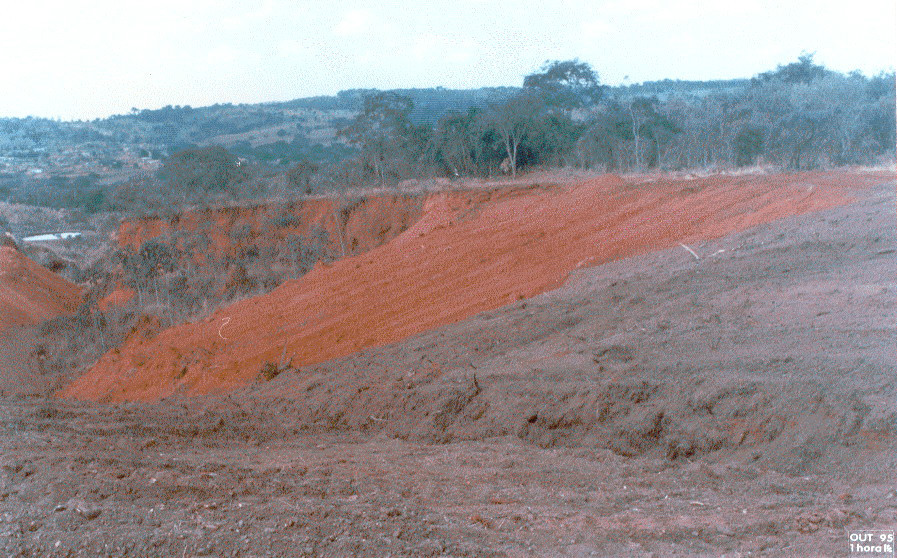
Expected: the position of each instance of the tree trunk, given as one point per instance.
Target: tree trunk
(511, 151)
(339, 228)
(635, 130)
(514, 161)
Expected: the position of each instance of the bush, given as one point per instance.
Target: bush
(285, 220)
(269, 371)
(203, 169)
(152, 259)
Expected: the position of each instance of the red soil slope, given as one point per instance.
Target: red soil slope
(468, 253)
(31, 294)
(118, 297)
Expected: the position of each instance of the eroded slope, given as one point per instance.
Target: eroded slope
(462, 257)
(774, 348)
(29, 293)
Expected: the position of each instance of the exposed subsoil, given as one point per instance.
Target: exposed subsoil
(351, 225)
(29, 293)
(467, 253)
(741, 403)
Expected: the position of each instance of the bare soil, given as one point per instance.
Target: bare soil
(740, 402)
(352, 225)
(468, 253)
(29, 293)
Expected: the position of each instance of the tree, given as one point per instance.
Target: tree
(649, 124)
(641, 110)
(514, 121)
(553, 139)
(299, 175)
(384, 133)
(598, 145)
(152, 260)
(460, 142)
(748, 146)
(565, 84)
(203, 169)
(537, 124)
(802, 71)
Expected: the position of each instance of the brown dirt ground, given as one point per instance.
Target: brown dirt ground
(740, 404)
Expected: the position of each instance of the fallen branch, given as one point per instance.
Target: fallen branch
(692, 252)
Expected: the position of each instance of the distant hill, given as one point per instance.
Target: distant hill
(669, 88)
(282, 132)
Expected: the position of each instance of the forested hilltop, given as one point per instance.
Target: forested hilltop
(798, 116)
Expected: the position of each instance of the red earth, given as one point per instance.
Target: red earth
(352, 226)
(467, 253)
(733, 396)
(119, 296)
(29, 293)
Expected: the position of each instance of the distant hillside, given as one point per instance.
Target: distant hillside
(668, 88)
(799, 116)
(267, 132)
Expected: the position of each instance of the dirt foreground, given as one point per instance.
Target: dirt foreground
(740, 401)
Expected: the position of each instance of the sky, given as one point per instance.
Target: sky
(80, 59)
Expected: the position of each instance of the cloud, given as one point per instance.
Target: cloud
(437, 47)
(354, 22)
(596, 29)
(293, 48)
(223, 55)
(240, 17)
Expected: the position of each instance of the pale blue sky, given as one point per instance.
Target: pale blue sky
(85, 59)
